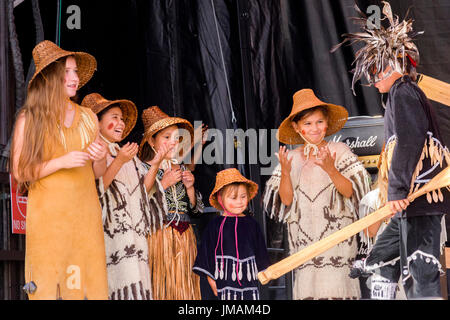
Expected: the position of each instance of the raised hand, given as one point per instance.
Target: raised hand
(326, 160)
(127, 152)
(188, 179)
(286, 164)
(97, 151)
(161, 154)
(171, 177)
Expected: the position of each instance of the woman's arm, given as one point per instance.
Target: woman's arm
(98, 151)
(69, 160)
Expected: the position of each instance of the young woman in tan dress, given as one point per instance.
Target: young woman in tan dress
(55, 157)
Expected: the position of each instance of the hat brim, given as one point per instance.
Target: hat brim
(337, 117)
(164, 123)
(86, 65)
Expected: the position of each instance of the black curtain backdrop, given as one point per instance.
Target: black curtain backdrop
(180, 55)
(216, 61)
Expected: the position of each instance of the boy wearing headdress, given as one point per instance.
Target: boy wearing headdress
(414, 153)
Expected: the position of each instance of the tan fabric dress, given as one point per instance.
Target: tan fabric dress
(65, 250)
(317, 211)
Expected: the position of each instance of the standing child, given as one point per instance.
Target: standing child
(233, 249)
(410, 246)
(131, 209)
(315, 191)
(172, 249)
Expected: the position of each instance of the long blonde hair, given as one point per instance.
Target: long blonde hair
(44, 111)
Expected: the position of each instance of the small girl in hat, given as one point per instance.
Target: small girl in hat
(56, 158)
(173, 248)
(132, 208)
(316, 190)
(232, 249)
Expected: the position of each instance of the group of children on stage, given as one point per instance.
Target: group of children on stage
(113, 222)
(106, 221)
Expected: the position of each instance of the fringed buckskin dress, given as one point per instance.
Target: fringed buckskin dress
(65, 249)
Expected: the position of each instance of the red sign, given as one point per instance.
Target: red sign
(18, 208)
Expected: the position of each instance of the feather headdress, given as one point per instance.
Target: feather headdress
(383, 46)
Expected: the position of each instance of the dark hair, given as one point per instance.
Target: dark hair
(146, 153)
(307, 112)
(102, 113)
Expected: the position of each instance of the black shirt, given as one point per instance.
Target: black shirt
(410, 119)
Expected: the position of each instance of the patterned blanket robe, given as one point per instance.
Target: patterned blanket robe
(318, 210)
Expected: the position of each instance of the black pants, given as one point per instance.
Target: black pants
(409, 247)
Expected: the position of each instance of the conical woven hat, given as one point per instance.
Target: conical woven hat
(154, 120)
(226, 177)
(46, 52)
(306, 99)
(97, 103)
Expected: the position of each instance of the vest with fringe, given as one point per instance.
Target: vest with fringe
(414, 152)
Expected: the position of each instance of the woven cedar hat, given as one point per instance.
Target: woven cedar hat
(303, 100)
(46, 52)
(226, 177)
(97, 103)
(155, 120)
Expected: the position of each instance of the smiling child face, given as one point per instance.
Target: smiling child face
(112, 125)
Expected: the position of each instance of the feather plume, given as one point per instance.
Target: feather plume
(383, 46)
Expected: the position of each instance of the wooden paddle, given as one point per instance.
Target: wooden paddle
(435, 89)
(294, 261)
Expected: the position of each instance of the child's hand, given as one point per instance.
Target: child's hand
(127, 152)
(213, 285)
(161, 154)
(97, 151)
(171, 177)
(188, 179)
(325, 160)
(283, 158)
